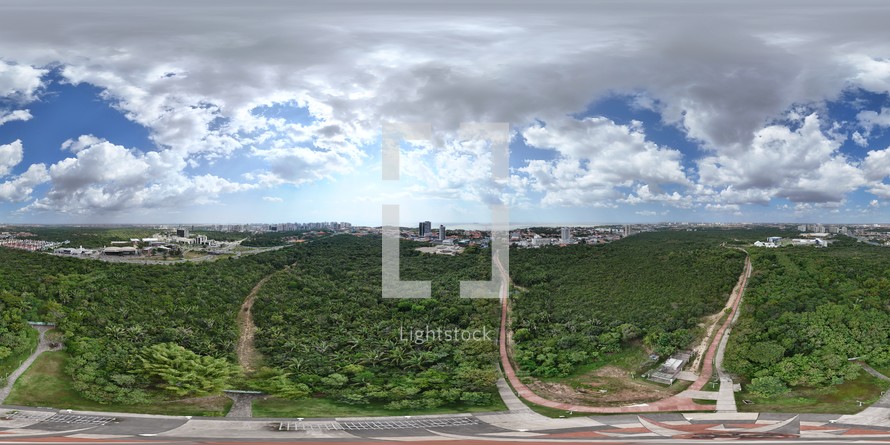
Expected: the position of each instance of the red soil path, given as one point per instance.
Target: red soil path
(673, 403)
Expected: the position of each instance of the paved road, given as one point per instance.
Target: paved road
(42, 346)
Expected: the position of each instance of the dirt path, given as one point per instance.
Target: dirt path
(248, 357)
(43, 345)
(673, 403)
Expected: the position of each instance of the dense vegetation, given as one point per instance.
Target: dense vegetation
(583, 301)
(807, 311)
(324, 326)
(89, 237)
(111, 313)
(270, 239)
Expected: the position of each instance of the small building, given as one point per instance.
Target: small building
(667, 372)
(120, 251)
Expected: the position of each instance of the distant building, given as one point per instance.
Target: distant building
(425, 228)
(441, 232)
(182, 233)
(566, 235)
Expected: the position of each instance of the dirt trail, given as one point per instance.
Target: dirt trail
(248, 357)
(674, 403)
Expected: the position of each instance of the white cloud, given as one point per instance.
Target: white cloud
(272, 199)
(881, 190)
(10, 156)
(802, 165)
(859, 139)
(21, 187)
(720, 84)
(103, 177)
(877, 164)
(595, 156)
(18, 188)
(723, 207)
(869, 119)
(19, 82)
(14, 115)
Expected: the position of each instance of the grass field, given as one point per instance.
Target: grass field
(12, 362)
(837, 399)
(46, 384)
(314, 407)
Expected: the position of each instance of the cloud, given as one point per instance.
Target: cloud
(19, 188)
(722, 75)
(595, 156)
(10, 156)
(19, 82)
(14, 115)
(272, 199)
(103, 177)
(802, 165)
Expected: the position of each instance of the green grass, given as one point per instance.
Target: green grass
(46, 384)
(705, 401)
(631, 359)
(319, 407)
(11, 363)
(837, 399)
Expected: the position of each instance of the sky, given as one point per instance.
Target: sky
(272, 111)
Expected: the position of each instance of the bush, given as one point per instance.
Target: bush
(768, 386)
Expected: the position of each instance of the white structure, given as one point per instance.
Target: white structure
(566, 235)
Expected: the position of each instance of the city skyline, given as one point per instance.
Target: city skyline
(738, 112)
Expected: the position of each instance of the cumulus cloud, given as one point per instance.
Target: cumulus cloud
(14, 115)
(10, 156)
(722, 84)
(19, 82)
(802, 165)
(595, 157)
(103, 177)
(18, 188)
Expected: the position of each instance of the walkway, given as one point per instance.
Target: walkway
(878, 414)
(678, 402)
(873, 371)
(42, 346)
(242, 402)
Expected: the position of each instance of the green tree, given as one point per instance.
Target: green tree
(182, 372)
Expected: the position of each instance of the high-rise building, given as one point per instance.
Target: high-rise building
(182, 233)
(425, 228)
(441, 232)
(566, 235)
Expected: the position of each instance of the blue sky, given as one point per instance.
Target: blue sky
(274, 113)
